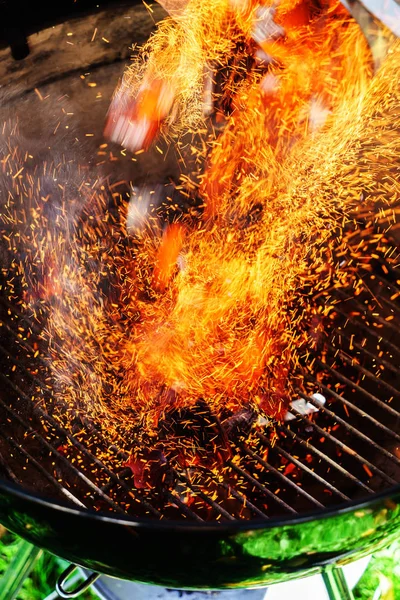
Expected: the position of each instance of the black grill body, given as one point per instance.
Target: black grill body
(260, 522)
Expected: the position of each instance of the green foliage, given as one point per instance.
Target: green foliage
(41, 581)
(381, 581)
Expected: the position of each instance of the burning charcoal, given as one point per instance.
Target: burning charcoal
(204, 439)
(239, 424)
(133, 122)
(187, 438)
(150, 468)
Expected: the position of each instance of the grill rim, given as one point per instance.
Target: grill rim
(210, 526)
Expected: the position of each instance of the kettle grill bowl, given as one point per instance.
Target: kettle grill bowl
(203, 556)
(350, 503)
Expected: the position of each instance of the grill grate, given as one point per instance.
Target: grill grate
(348, 450)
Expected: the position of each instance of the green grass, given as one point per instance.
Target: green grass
(42, 579)
(381, 581)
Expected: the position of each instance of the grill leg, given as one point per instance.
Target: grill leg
(336, 584)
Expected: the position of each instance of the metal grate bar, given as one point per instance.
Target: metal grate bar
(390, 267)
(356, 455)
(311, 448)
(369, 330)
(349, 427)
(21, 342)
(40, 384)
(124, 473)
(355, 365)
(219, 509)
(261, 487)
(237, 495)
(278, 474)
(243, 500)
(61, 458)
(367, 352)
(94, 459)
(348, 403)
(392, 305)
(80, 447)
(395, 291)
(41, 469)
(365, 309)
(304, 468)
(33, 326)
(131, 491)
(174, 499)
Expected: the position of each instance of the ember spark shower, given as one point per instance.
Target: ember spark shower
(214, 301)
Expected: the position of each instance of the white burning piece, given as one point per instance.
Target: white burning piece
(182, 262)
(174, 7)
(139, 208)
(318, 114)
(265, 29)
(304, 408)
(270, 84)
(208, 90)
(132, 134)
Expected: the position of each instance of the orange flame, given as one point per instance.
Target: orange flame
(219, 330)
(218, 308)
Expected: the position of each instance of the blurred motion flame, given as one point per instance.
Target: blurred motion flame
(216, 305)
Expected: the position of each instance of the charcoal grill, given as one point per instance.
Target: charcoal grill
(325, 491)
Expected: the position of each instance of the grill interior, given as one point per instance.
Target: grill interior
(348, 450)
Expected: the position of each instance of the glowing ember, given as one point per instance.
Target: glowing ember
(213, 304)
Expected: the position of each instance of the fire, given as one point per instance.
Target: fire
(219, 327)
(215, 303)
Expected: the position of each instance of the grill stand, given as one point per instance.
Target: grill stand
(336, 584)
(332, 575)
(82, 587)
